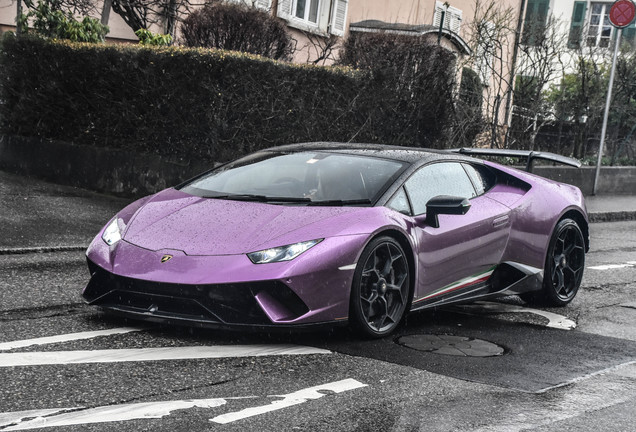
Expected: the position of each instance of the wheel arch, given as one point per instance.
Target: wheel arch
(581, 221)
(403, 240)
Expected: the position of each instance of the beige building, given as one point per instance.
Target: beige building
(119, 30)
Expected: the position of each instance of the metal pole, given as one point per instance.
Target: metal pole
(607, 108)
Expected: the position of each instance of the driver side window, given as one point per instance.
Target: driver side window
(445, 178)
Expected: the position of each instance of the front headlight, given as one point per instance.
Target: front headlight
(282, 253)
(112, 234)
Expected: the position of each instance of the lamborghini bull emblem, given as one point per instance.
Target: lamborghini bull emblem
(166, 258)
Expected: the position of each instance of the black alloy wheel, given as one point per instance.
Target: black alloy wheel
(381, 288)
(564, 266)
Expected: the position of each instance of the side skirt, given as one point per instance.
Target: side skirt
(508, 278)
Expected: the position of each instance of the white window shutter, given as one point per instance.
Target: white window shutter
(339, 20)
(263, 4)
(452, 17)
(437, 17)
(455, 20)
(484, 52)
(285, 8)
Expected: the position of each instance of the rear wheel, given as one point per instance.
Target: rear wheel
(564, 266)
(380, 291)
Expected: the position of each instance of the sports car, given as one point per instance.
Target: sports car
(328, 233)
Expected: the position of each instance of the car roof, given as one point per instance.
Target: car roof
(404, 154)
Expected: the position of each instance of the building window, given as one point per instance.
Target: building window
(452, 17)
(535, 22)
(486, 48)
(600, 29)
(576, 26)
(317, 16)
(307, 10)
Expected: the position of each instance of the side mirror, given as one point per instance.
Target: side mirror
(444, 204)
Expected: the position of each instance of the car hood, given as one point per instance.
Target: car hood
(203, 226)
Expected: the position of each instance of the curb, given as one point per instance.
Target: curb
(612, 216)
(44, 249)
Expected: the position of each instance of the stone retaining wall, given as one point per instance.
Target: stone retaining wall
(99, 169)
(135, 175)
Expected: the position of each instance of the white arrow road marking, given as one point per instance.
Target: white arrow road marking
(4, 346)
(613, 266)
(33, 419)
(103, 414)
(10, 418)
(152, 354)
(291, 399)
(555, 320)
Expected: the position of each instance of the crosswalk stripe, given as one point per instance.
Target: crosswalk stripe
(152, 354)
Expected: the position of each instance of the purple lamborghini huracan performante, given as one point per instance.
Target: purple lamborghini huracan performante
(325, 233)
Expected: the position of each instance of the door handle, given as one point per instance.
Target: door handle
(500, 221)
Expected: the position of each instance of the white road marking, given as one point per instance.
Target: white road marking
(152, 354)
(588, 376)
(588, 397)
(612, 266)
(10, 418)
(33, 419)
(26, 420)
(4, 346)
(554, 320)
(291, 399)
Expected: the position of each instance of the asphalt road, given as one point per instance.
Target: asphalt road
(68, 368)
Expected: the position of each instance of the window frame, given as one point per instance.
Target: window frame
(329, 20)
(598, 37)
(486, 57)
(480, 168)
(414, 173)
(308, 4)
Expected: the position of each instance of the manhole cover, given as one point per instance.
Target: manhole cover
(451, 345)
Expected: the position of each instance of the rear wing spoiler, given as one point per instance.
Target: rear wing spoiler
(529, 155)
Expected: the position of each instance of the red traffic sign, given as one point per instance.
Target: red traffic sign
(622, 13)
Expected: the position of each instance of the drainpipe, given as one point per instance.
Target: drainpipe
(18, 31)
(105, 11)
(513, 66)
(441, 27)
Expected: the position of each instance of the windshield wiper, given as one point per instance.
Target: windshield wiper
(259, 198)
(340, 202)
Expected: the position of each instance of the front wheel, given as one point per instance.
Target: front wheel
(380, 290)
(564, 266)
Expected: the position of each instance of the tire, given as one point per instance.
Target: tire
(564, 265)
(381, 290)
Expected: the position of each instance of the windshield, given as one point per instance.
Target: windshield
(306, 177)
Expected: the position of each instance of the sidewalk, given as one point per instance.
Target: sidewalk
(45, 217)
(611, 208)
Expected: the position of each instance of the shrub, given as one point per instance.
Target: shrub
(146, 37)
(197, 103)
(50, 21)
(182, 102)
(237, 27)
(416, 79)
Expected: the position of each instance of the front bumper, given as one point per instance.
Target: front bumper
(224, 291)
(260, 303)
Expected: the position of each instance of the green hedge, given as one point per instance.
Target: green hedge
(192, 103)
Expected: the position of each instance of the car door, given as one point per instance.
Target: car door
(455, 258)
